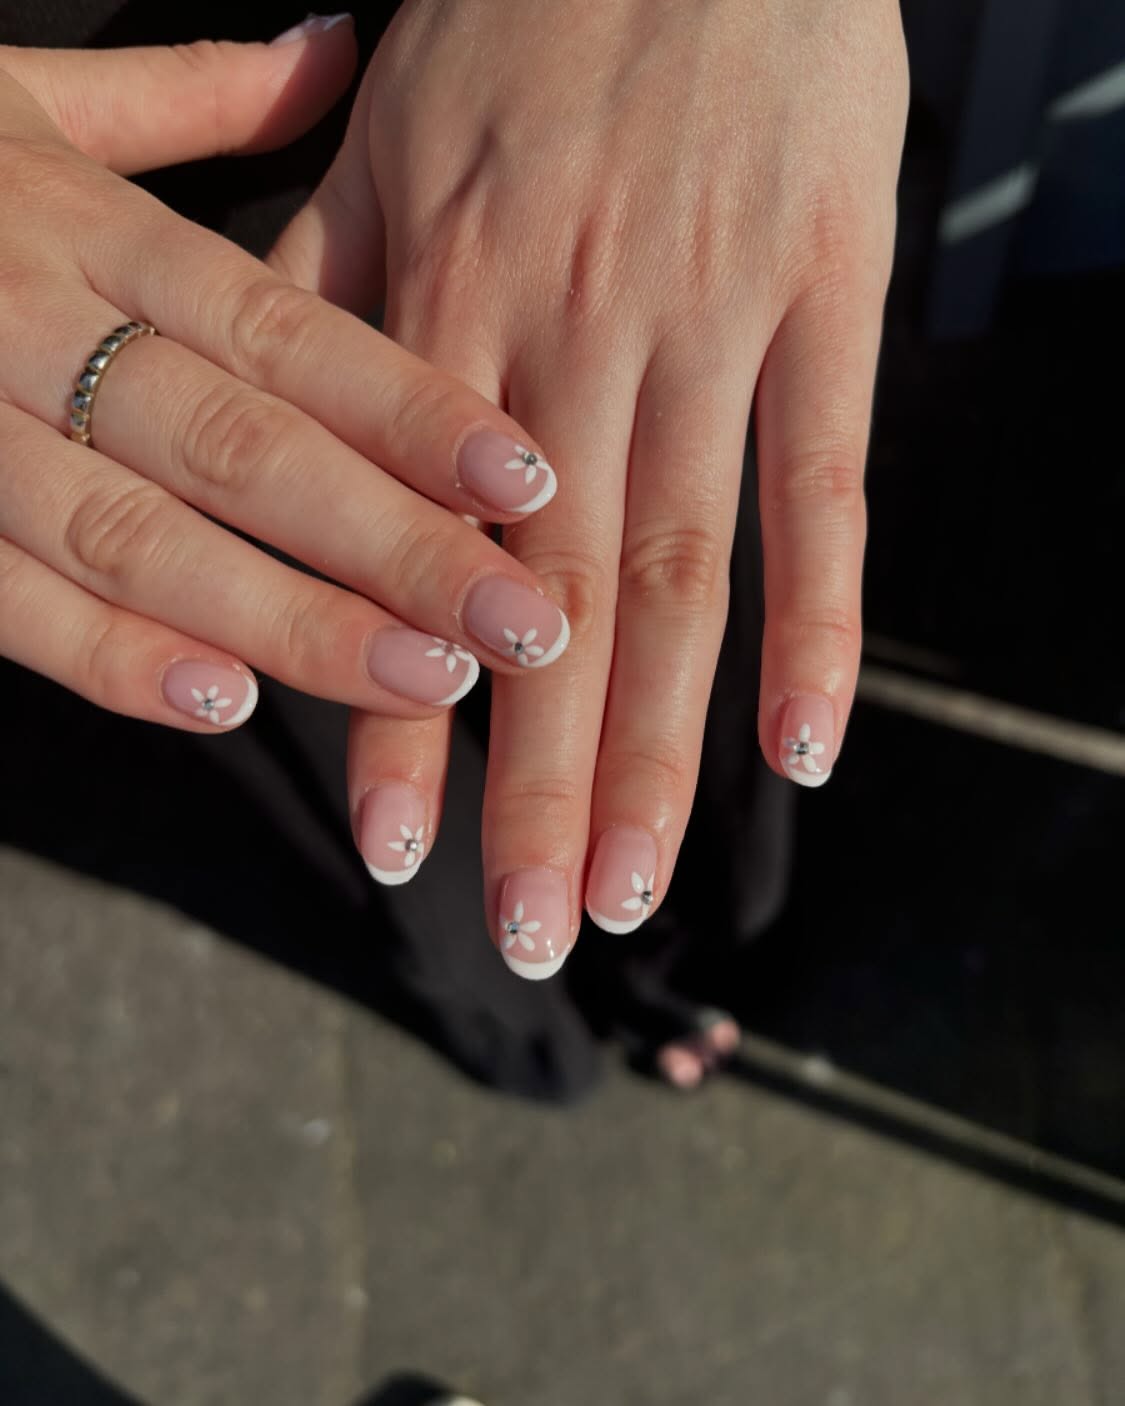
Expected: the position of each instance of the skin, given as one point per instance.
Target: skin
(626, 223)
(260, 407)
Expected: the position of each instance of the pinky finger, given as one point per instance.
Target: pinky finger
(118, 660)
(814, 408)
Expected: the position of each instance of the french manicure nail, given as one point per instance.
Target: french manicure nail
(505, 474)
(313, 24)
(807, 747)
(514, 620)
(392, 832)
(218, 694)
(534, 922)
(620, 890)
(422, 667)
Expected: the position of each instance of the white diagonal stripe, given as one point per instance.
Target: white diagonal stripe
(990, 204)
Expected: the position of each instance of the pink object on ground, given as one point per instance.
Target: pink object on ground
(422, 667)
(504, 474)
(219, 694)
(392, 832)
(807, 746)
(533, 926)
(514, 620)
(619, 892)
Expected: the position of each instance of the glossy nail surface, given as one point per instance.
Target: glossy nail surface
(314, 24)
(504, 474)
(392, 832)
(420, 666)
(514, 620)
(621, 888)
(533, 927)
(218, 694)
(807, 746)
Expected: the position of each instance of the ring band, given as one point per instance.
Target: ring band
(86, 387)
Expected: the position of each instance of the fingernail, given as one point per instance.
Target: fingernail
(619, 892)
(516, 621)
(504, 474)
(807, 750)
(392, 832)
(218, 694)
(314, 24)
(534, 923)
(422, 667)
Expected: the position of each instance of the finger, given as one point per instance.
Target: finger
(419, 424)
(135, 109)
(813, 415)
(396, 775)
(396, 772)
(671, 609)
(113, 657)
(265, 468)
(334, 245)
(126, 540)
(544, 740)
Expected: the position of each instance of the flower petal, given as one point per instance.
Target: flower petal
(406, 832)
(195, 693)
(409, 858)
(531, 634)
(214, 716)
(515, 464)
(632, 904)
(804, 732)
(810, 765)
(213, 691)
(434, 653)
(638, 884)
(816, 748)
(511, 636)
(399, 845)
(533, 926)
(533, 650)
(509, 940)
(517, 913)
(526, 943)
(222, 702)
(450, 663)
(532, 470)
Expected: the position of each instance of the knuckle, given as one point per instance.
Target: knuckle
(272, 321)
(578, 583)
(306, 632)
(523, 810)
(836, 631)
(830, 478)
(109, 649)
(431, 399)
(666, 767)
(112, 530)
(226, 435)
(674, 563)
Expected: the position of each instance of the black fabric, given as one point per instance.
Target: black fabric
(287, 880)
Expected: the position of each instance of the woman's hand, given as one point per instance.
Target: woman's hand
(623, 221)
(259, 407)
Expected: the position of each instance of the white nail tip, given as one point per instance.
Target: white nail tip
(393, 877)
(806, 778)
(557, 648)
(249, 703)
(543, 497)
(472, 673)
(535, 971)
(615, 925)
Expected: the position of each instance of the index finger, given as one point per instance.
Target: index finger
(420, 424)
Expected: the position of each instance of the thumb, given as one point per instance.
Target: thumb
(136, 109)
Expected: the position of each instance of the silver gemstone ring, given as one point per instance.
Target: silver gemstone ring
(93, 373)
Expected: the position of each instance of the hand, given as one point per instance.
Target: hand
(622, 221)
(259, 406)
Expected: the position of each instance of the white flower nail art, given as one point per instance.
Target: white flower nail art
(641, 901)
(802, 750)
(529, 461)
(410, 846)
(210, 703)
(514, 929)
(524, 649)
(452, 653)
